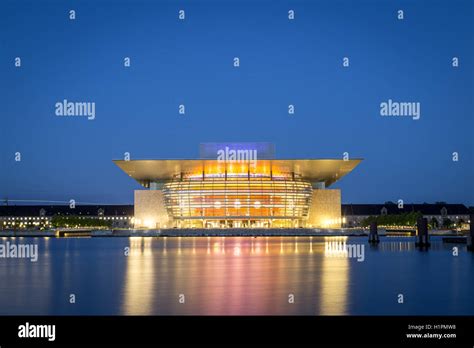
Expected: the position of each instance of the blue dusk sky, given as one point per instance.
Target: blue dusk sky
(282, 62)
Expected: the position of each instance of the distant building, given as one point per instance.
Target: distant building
(121, 216)
(354, 214)
(31, 216)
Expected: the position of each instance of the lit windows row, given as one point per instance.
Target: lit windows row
(242, 198)
(33, 218)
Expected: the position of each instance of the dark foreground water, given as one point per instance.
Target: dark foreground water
(240, 275)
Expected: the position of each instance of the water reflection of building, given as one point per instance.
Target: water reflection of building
(139, 278)
(236, 275)
(35, 297)
(333, 291)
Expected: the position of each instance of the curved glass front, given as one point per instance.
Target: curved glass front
(237, 198)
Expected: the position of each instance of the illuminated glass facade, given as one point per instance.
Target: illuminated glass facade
(238, 200)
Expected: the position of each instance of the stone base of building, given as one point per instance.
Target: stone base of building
(150, 210)
(325, 211)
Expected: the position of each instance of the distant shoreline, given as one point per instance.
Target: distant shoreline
(232, 232)
(280, 232)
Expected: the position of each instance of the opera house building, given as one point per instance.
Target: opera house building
(231, 192)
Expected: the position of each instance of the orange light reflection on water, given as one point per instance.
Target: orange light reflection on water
(234, 275)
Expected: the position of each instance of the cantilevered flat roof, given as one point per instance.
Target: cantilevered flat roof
(313, 170)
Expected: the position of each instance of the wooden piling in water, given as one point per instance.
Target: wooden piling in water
(422, 238)
(373, 234)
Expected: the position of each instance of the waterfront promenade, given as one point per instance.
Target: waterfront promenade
(186, 232)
